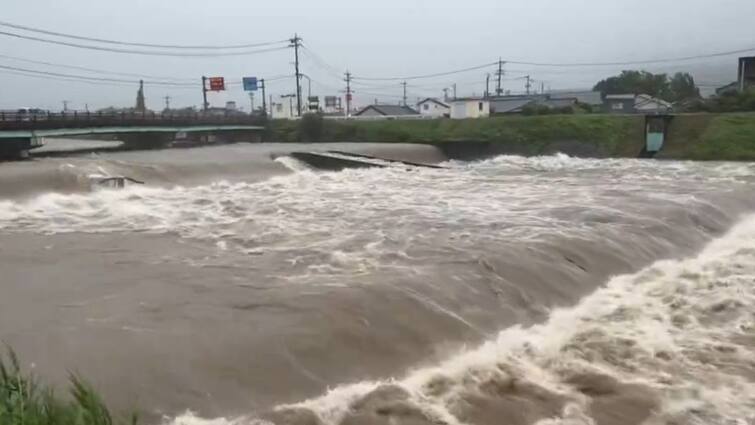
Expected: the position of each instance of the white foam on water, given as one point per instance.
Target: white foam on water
(660, 314)
(677, 327)
(190, 418)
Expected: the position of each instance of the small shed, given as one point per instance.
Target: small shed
(619, 103)
(471, 107)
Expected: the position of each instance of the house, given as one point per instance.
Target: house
(746, 73)
(585, 97)
(619, 103)
(510, 104)
(471, 107)
(745, 77)
(516, 104)
(645, 104)
(433, 108)
(385, 111)
(559, 103)
(727, 89)
(635, 104)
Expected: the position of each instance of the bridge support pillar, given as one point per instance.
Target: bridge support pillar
(17, 148)
(147, 140)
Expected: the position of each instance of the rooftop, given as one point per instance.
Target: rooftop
(621, 97)
(389, 110)
(431, 99)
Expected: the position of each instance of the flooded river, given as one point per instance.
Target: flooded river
(242, 285)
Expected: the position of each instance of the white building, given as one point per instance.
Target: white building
(472, 107)
(650, 105)
(635, 104)
(284, 109)
(433, 108)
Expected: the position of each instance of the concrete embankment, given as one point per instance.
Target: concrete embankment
(690, 136)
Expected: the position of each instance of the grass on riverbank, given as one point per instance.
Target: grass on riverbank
(704, 137)
(610, 135)
(23, 401)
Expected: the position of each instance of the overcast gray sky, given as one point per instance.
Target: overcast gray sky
(383, 38)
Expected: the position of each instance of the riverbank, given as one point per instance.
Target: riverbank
(691, 136)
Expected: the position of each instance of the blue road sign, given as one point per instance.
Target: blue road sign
(250, 83)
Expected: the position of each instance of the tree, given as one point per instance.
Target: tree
(680, 87)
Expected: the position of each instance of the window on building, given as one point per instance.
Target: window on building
(617, 106)
(480, 106)
(279, 107)
(426, 106)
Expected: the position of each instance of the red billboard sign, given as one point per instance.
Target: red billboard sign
(217, 83)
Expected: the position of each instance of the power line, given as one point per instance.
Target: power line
(73, 80)
(126, 43)
(94, 70)
(418, 77)
(320, 62)
(87, 78)
(640, 62)
(140, 52)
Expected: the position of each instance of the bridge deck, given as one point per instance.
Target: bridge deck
(63, 132)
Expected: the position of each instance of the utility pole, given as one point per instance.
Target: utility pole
(499, 73)
(454, 91)
(348, 93)
(542, 87)
(404, 84)
(167, 103)
(487, 85)
(205, 105)
(296, 43)
(528, 85)
(251, 103)
(264, 106)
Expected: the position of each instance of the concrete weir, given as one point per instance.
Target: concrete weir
(340, 160)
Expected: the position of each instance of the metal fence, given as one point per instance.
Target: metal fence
(10, 120)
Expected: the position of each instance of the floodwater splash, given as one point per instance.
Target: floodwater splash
(670, 344)
(404, 261)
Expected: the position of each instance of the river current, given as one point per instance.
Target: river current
(239, 286)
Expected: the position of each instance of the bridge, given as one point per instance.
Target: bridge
(20, 132)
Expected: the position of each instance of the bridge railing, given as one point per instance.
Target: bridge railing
(10, 120)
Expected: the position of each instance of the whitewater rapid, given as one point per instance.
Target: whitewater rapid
(549, 290)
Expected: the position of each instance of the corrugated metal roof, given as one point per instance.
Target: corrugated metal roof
(559, 103)
(587, 97)
(503, 106)
(620, 97)
(389, 110)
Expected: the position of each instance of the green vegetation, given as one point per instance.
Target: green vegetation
(690, 136)
(722, 137)
(727, 102)
(679, 87)
(608, 135)
(23, 401)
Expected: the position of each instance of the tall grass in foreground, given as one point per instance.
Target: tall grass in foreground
(23, 401)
